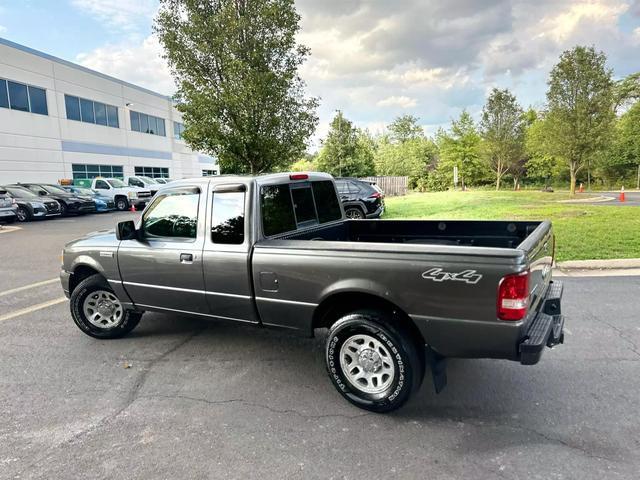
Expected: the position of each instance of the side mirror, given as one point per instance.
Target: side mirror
(126, 231)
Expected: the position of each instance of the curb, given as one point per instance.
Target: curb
(598, 199)
(617, 264)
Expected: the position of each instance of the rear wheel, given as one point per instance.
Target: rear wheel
(122, 204)
(372, 364)
(23, 214)
(98, 312)
(354, 213)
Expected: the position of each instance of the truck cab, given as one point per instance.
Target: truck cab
(140, 181)
(123, 196)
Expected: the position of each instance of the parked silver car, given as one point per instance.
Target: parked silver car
(8, 208)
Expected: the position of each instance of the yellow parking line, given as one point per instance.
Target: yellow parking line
(27, 287)
(31, 309)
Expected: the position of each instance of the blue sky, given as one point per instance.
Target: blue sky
(373, 59)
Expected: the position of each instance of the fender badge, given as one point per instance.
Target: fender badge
(466, 276)
(106, 254)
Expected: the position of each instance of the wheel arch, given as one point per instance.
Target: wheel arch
(338, 304)
(82, 270)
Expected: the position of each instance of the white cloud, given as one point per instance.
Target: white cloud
(120, 14)
(139, 64)
(401, 101)
(3, 29)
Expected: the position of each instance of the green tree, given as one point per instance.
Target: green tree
(405, 128)
(460, 147)
(626, 150)
(540, 164)
(502, 127)
(236, 63)
(627, 90)
(580, 105)
(347, 151)
(412, 158)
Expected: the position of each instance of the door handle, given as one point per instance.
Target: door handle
(186, 258)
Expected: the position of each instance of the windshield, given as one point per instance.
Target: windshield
(148, 180)
(85, 191)
(115, 183)
(20, 192)
(55, 190)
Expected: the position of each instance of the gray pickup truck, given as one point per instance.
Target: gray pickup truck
(397, 297)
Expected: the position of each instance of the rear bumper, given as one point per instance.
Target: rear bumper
(546, 329)
(377, 213)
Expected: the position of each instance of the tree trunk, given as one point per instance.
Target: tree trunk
(638, 181)
(498, 175)
(572, 189)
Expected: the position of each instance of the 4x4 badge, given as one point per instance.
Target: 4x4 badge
(467, 276)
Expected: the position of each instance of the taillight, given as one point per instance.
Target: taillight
(298, 176)
(375, 195)
(513, 296)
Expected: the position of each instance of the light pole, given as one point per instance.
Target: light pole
(339, 142)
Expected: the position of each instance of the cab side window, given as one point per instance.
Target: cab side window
(134, 182)
(102, 185)
(227, 225)
(173, 215)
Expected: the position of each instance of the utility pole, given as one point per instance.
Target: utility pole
(339, 142)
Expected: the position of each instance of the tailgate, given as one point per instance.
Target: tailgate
(539, 247)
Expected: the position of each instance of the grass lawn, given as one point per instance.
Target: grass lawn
(582, 231)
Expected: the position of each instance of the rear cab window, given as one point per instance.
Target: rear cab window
(288, 207)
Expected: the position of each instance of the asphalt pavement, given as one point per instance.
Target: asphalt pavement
(181, 398)
(632, 198)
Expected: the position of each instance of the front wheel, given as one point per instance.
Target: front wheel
(98, 312)
(23, 214)
(122, 204)
(372, 364)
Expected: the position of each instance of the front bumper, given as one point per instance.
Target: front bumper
(139, 202)
(546, 329)
(64, 281)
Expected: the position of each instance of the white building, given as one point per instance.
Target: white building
(59, 120)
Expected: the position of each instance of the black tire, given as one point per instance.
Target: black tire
(354, 213)
(401, 350)
(122, 204)
(23, 214)
(64, 211)
(92, 284)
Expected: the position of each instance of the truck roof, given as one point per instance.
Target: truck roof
(266, 179)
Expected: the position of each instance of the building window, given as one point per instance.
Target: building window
(209, 173)
(26, 98)
(88, 111)
(143, 123)
(81, 171)
(153, 172)
(178, 129)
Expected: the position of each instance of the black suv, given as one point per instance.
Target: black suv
(69, 203)
(360, 199)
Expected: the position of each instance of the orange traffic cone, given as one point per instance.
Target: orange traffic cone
(622, 199)
(133, 208)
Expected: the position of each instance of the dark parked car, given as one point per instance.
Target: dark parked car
(103, 203)
(32, 206)
(7, 207)
(69, 202)
(360, 199)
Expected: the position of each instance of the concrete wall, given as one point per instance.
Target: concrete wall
(43, 147)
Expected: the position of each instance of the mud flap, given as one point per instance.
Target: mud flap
(438, 365)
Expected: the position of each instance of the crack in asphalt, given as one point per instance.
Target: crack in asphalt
(132, 395)
(632, 345)
(253, 404)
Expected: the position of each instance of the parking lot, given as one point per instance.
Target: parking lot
(185, 398)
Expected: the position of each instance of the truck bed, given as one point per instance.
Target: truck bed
(472, 233)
